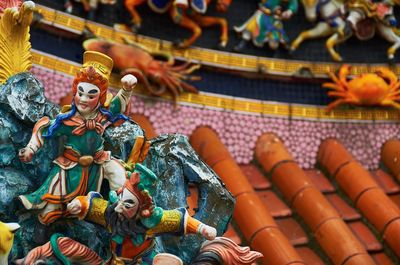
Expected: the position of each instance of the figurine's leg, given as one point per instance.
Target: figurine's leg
(273, 44)
(49, 212)
(68, 6)
(245, 37)
(114, 172)
(332, 42)
(388, 34)
(54, 183)
(207, 21)
(131, 7)
(322, 29)
(91, 14)
(86, 5)
(178, 15)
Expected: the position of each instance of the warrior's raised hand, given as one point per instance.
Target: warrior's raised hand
(128, 82)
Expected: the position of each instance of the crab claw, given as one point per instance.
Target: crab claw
(387, 75)
(343, 73)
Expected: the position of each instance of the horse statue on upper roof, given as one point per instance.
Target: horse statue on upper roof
(189, 14)
(339, 20)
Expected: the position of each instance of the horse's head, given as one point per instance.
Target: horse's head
(310, 8)
(222, 5)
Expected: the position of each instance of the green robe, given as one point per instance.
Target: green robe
(87, 144)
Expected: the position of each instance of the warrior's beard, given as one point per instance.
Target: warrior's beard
(122, 226)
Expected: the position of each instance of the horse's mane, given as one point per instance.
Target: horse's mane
(224, 251)
(74, 251)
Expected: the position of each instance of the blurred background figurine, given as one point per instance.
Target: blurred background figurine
(266, 26)
(339, 21)
(331, 23)
(189, 14)
(366, 16)
(89, 6)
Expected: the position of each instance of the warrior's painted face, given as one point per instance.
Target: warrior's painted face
(87, 98)
(128, 204)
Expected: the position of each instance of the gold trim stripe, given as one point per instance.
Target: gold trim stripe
(236, 104)
(204, 56)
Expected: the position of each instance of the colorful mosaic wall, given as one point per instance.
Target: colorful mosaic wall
(240, 131)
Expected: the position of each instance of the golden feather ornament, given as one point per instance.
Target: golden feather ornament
(15, 19)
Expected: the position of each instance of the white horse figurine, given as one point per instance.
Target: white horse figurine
(331, 24)
(339, 28)
(381, 14)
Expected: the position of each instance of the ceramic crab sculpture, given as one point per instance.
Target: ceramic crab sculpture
(370, 89)
(157, 76)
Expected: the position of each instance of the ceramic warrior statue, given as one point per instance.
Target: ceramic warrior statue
(134, 220)
(84, 163)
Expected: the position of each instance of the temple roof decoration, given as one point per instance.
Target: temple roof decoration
(14, 39)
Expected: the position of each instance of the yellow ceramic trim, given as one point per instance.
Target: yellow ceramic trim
(237, 104)
(204, 56)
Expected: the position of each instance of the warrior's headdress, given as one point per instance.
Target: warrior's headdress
(96, 70)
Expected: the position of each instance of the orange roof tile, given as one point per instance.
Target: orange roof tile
(251, 215)
(363, 190)
(341, 242)
(382, 259)
(276, 206)
(255, 177)
(365, 235)
(385, 181)
(331, 232)
(396, 199)
(292, 230)
(145, 123)
(390, 156)
(233, 235)
(345, 210)
(309, 256)
(392, 236)
(320, 180)
(270, 239)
